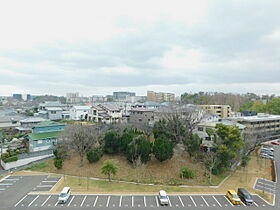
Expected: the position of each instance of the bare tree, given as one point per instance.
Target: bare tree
(181, 120)
(82, 138)
(210, 160)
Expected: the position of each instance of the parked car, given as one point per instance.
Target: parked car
(269, 148)
(64, 195)
(233, 197)
(245, 196)
(275, 143)
(267, 153)
(163, 198)
(267, 156)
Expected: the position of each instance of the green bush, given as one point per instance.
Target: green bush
(187, 173)
(10, 159)
(58, 163)
(245, 160)
(5, 156)
(95, 154)
(163, 149)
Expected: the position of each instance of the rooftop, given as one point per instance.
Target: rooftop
(82, 107)
(48, 124)
(53, 108)
(259, 117)
(224, 122)
(141, 109)
(40, 136)
(32, 120)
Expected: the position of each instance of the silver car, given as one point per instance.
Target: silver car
(64, 195)
(163, 198)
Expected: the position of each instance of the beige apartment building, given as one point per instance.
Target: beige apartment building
(160, 97)
(222, 111)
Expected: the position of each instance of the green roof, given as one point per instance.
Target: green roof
(48, 135)
(48, 124)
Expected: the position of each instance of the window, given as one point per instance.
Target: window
(40, 141)
(200, 128)
(140, 120)
(53, 112)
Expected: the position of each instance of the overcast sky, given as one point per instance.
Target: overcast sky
(97, 47)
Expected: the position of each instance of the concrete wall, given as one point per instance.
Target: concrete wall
(23, 162)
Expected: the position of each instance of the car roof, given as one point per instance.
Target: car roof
(65, 189)
(243, 190)
(162, 192)
(232, 191)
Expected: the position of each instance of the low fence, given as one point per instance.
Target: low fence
(35, 154)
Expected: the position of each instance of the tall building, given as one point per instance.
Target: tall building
(72, 97)
(160, 97)
(122, 95)
(222, 111)
(17, 96)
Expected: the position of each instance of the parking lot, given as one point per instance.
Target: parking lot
(7, 182)
(47, 184)
(265, 185)
(129, 201)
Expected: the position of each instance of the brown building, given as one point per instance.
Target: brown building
(160, 97)
(141, 115)
(223, 111)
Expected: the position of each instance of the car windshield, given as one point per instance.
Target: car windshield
(235, 196)
(163, 197)
(247, 196)
(62, 195)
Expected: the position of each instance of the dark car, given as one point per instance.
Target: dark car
(245, 196)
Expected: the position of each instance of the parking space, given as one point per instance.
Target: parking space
(8, 181)
(47, 184)
(265, 185)
(137, 201)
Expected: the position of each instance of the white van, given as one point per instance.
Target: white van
(64, 195)
(163, 198)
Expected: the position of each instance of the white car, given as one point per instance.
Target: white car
(64, 195)
(163, 198)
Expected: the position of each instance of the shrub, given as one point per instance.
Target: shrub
(95, 154)
(163, 149)
(244, 161)
(5, 156)
(58, 163)
(187, 173)
(11, 159)
(112, 142)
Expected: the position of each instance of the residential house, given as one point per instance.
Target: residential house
(79, 112)
(28, 123)
(51, 110)
(141, 115)
(44, 135)
(105, 113)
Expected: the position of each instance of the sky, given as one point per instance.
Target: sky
(97, 47)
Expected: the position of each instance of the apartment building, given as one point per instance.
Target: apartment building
(160, 97)
(265, 126)
(223, 111)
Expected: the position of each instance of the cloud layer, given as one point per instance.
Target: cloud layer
(96, 48)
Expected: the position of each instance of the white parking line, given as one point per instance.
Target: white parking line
(266, 188)
(217, 201)
(181, 201)
(33, 200)
(205, 201)
(108, 200)
(83, 201)
(46, 200)
(243, 203)
(5, 184)
(193, 201)
(169, 202)
(263, 183)
(228, 200)
(55, 203)
(71, 200)
(157, 201)
(50, 181)
(2, 189)
(256, 204)
(44, 186)
(120, 204)
(11, 179)
(20, 200)
(145, 204)
(132, 201)
(95, 201)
